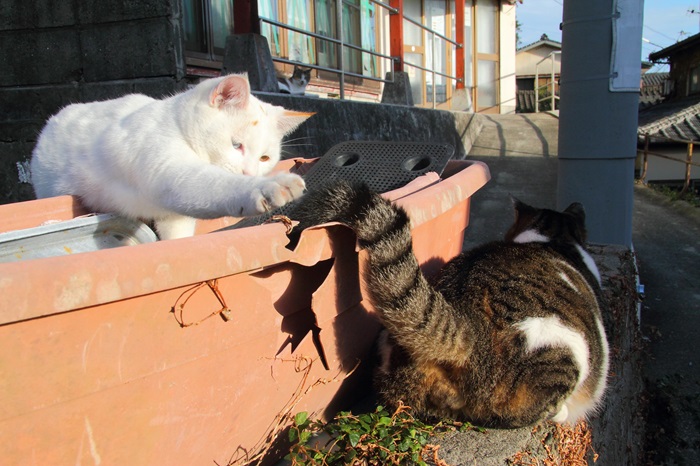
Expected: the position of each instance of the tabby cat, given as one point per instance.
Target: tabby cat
(506, 335)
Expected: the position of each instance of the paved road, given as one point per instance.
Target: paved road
(521, 153)
(667, 242)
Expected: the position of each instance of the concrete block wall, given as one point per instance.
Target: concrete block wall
(57, 53)
(338, 121)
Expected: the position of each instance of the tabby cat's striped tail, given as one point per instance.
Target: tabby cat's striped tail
(417, 316)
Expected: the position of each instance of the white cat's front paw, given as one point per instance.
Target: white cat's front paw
(278, 191)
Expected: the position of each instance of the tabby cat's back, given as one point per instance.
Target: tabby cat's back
(507, 335)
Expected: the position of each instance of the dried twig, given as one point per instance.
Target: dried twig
(284, 418)
(284, 219)
(573, 446)
(224, 312)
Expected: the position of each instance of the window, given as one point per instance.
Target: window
(487, 59)
(207, 24)
(325, 25)
(270, 10)
(358, 27)
(481, 52)
(436, 53)
(300, 46)
(694, 80)
(414, 50)
(368, 30)
(429, 51)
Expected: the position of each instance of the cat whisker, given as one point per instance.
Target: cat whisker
(296, 139)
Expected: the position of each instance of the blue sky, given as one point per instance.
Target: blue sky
(665, 22)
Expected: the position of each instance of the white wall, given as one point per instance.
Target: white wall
(507, 41)
(660, 169)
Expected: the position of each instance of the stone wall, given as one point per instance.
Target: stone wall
(57, 53)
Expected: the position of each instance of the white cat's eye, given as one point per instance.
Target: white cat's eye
(237, 145)
(264, 158)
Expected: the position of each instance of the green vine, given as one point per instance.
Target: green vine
(376, 438)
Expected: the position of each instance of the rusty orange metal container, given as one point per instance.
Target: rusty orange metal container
(196, 350)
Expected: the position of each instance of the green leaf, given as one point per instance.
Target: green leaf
(301, 418)
(354, 438)
(293, 435)
(349, 456)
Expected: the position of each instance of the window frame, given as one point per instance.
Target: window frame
(210, 58)
(488, 58)
(694, 71)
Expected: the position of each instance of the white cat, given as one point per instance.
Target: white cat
(198, 154)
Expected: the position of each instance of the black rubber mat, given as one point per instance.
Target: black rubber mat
(383, 165)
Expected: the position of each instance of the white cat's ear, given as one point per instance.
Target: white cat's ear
(232, 91)
(289, 120)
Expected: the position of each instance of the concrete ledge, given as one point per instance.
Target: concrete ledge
(618, 431)
(338, 121)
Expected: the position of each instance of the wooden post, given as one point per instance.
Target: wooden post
(245, 17)
(688, 161)
(459, 37)
(396, 34)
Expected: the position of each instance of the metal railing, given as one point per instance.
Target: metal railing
(341, 71)
(688, 159)
(553, 97)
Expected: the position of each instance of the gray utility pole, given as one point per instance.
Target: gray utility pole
(600, 76)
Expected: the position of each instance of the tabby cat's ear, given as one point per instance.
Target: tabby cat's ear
(576, 209)
(290, 119)
(232, 91)
(523, 212)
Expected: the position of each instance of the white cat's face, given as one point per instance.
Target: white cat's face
(255, 143)
(243, 134)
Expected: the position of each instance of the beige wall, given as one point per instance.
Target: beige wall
(526, 61)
